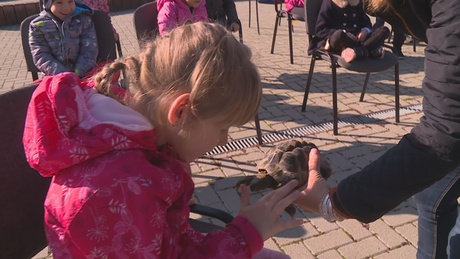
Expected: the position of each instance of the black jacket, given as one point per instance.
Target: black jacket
(432, 149)
(222, 10)
(331, 18)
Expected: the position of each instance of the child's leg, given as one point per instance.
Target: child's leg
(377, 38)
(341, 40)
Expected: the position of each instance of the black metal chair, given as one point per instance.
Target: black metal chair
(109, 48)
(145, 22)
(367, 66)
(22, 189)
(281, 13)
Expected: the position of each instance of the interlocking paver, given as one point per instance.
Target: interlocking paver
(392, 236)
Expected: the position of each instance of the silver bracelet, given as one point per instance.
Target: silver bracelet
(326, 210)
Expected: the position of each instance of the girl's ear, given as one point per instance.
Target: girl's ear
(177, 108)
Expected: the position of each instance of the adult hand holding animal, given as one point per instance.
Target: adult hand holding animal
(317, 187)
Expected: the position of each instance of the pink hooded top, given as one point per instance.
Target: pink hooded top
(293, 3)
(113, 192)
(174, 13)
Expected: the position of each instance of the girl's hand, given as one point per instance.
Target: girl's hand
(234, 27)
(316, 188)
(265, 213)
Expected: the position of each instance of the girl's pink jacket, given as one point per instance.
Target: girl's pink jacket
(293, 3)
(174, 13)
(114, 194)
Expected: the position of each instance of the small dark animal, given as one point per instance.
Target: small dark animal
(283, 163)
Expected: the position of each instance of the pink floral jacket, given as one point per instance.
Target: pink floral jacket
(174, 13)
(114, 194)
(293, 3)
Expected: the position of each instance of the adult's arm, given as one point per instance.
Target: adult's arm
(433, 148)
(404, 170)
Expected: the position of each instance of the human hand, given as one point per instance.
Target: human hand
(265, 213)
(234, 26)
(192, 201)
(363, 35)
(316, 188)
(116, 36)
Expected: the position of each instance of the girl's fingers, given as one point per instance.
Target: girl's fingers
(286, 201)
(282, 192)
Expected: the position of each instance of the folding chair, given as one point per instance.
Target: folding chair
(22, 189)
(146, 23)
(312, 8)
(281, 13)
(108, 47)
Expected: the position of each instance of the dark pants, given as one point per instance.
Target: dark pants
(341, 40)
(398, 37)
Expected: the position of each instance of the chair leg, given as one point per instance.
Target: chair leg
(366, 81)
(257, 16)
(307, 87)
(118, 44)
(34, 76)
(290, 40)
(397, 92)
(275, 31)
(250, 11)
(240, 32)
(258, 130)
(414, 44)
(334, 98)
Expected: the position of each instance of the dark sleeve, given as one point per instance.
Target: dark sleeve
(230, 10)
(401, 172)
(324, 24)
(432, 150)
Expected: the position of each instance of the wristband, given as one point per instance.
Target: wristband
(326, 210)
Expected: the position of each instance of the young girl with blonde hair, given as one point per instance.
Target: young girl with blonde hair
(119, 160)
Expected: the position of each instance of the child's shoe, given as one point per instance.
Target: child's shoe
(377, 53)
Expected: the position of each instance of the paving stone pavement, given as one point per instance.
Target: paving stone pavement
(392, 236)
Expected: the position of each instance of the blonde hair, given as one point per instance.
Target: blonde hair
(374, 6)
(202, 59)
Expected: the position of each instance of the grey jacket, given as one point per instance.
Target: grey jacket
(67, 46)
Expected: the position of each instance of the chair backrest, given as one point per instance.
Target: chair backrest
(105, 37)
(311, 8)
(24, 29)
(22, 189)
(145, 22)
(105, 40)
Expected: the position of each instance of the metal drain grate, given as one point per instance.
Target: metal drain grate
(312, 129)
